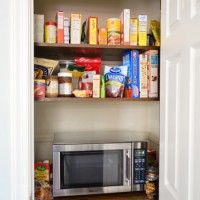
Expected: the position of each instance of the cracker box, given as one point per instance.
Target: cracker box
(75, 33)
(152, 67)
(96, 86)
(38, 28)
(142, 30)
(125, 27)
(133, 31)
(66, 30)
(92, 30)
(60, 27)
(143, 75)
(131, 60)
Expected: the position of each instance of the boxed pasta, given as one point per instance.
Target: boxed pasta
(143, 75)
(152, 65)
(75, 32)
(125, 27)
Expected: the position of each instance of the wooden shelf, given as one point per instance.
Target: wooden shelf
(119, 196)
(74, 99)
(70, 51)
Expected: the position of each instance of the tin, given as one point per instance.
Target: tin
(50, 32)
(39, 89)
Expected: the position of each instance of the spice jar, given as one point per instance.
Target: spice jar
(50, 32)
(65, 84)
(51, 86)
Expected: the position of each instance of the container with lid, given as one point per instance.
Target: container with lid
(50, 32)
(64, 64)
(39, 89)
(64, 84)
(51, 86)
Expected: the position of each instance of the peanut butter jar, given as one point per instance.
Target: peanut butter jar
(51, 86)
(64, 84)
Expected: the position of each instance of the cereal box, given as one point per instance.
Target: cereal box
(143, 75)
(131, 60)
(142, 30)
(60, 26)
(125, 27)
(75, 29)
(152, 67)
(92, 30)
(133, 31)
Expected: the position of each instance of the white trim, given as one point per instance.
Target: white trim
(154, 138)
(22, 100)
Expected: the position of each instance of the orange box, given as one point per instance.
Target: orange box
(92, 30)
(60, 26)
(103, 36)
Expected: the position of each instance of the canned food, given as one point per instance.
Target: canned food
(50, 32)
(39, 89)
(114, 31)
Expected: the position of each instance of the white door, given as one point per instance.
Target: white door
(180, 100)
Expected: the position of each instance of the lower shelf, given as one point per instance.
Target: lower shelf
(116, 196)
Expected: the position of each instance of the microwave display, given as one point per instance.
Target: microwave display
(85, 169)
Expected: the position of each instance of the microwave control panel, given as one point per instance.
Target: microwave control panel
(139, 176)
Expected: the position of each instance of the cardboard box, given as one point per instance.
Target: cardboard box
(96, 86)
(92, 30)
(152, 67)
(134, 31)
(42, 171)
(142, 30)
(103, 36)
(75, 37)
(60, 27)
(125, 27)
(132, 86)
(38, 28)
(143, 75)
(66, 30)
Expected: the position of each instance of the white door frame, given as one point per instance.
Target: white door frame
(22, 102)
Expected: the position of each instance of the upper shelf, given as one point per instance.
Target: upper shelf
(70, 51)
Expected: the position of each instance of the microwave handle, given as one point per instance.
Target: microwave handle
(128, 162)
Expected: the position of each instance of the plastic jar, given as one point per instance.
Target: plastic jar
(51, 86)
(64, 84)
(39, 89)
(50, 32)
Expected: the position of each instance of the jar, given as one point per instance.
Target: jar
(39, 89)
(64, 84)
(50, 32)
(64, 64)
(51, 86)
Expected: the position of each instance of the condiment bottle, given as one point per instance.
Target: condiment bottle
(64, 84)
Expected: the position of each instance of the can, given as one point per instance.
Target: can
(64, 84)
(114, 31)
(51, 86)
(39, 89)
(50, 32)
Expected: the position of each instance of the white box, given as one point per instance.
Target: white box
(38, 28)
(125, 27)
(75, 29)
(66, 30)
(96, 86)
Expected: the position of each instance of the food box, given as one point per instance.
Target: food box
(92, 30)
(143, 75)
(133, 31)
(142, 30)
(132, 86)
(60, 27)
(103, 36)
(66, 30)
(38, 28)
(152, 66)
(42, 171)
(125, 27)
(96, 86)
(75, 36)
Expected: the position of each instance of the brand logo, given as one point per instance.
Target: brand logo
(41, 168)
(115, 70)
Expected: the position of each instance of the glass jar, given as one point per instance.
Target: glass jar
(51, 86)
(64, 84)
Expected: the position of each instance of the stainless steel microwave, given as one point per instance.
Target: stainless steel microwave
(83, 169)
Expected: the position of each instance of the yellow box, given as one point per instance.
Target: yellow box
(134, 31)
(75, 28)
(142, 30)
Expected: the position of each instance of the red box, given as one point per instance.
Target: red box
(60, 26)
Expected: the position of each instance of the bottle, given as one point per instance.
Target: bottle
(102, 87)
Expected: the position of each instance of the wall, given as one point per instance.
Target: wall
(69, 116)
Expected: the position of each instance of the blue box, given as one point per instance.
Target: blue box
(132, 86)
